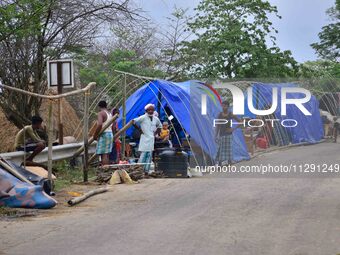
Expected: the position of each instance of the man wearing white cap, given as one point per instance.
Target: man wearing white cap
(149, 124)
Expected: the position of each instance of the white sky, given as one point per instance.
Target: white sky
(301, 21)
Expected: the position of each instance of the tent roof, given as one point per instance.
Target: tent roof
(184, 101)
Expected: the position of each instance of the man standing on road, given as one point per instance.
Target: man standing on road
(149, 124)
(104, 144)
(28, 139)
(224, 135)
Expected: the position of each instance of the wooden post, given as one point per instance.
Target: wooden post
(50, 140)
(124, 118)
(60, 91)
(86, 131)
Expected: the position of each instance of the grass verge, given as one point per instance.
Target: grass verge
(66, 175)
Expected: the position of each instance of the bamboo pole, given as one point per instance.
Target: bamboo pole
(92, 158)
(50, 141)
(71, 93)
(91, 193)
(60, 122)
(138, 76)
(121, 131)
(86, 131)
(91, 140)
(124, 118)
(14, 172)
(129, 124)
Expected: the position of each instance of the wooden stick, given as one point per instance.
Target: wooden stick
(91, 140)
(85, 138)
(14, 172)
(137, 76)
(91, 193)
(129, 124)
(92, 158)
(50, 140)
(126, 127)
(124, 118)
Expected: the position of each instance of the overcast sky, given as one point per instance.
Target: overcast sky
(301, 21)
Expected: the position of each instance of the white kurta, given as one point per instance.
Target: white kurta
(147, 139)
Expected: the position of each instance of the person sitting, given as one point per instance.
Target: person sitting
(28, 139)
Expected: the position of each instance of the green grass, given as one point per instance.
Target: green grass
(67, 175)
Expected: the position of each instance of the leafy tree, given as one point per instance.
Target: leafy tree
(329, 45)
(321, 76)
(33, 31)
(134, 49)
(270, 63)
(231, 40)
(99, 67)
(320, 68)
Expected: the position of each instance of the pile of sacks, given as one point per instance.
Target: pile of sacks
(19, 194)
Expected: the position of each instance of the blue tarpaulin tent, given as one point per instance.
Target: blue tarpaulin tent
(184, 101)
(309, 128)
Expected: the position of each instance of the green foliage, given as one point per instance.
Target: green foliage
(66, 175)
(329, 45)
(321, 76)
(92, 68)
(34, 31)
(320, 68)
(271, 63)
(231, 41)
(22, 18)
(100, 67)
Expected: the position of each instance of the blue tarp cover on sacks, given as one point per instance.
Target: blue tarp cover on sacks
(309, 128)
(17, 194)
(184, 101)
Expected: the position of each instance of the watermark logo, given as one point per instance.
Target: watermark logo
(239, 99)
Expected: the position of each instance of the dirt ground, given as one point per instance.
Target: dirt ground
(62, 207)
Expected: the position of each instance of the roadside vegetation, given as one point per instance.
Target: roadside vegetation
(66, 175)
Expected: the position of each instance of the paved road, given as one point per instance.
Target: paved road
(210, 215)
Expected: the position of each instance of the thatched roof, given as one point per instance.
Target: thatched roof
(70, 120)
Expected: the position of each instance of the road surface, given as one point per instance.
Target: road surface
(209, 215)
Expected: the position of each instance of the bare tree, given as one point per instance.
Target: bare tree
(33, 31)
(141, 39)
(175, 33)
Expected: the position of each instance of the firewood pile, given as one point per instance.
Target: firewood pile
(136, 172)
(104, 173)
(156, 174)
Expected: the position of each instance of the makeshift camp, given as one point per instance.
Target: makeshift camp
(309, 128)
(183, 102)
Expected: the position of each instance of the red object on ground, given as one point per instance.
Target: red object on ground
(262, 143)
